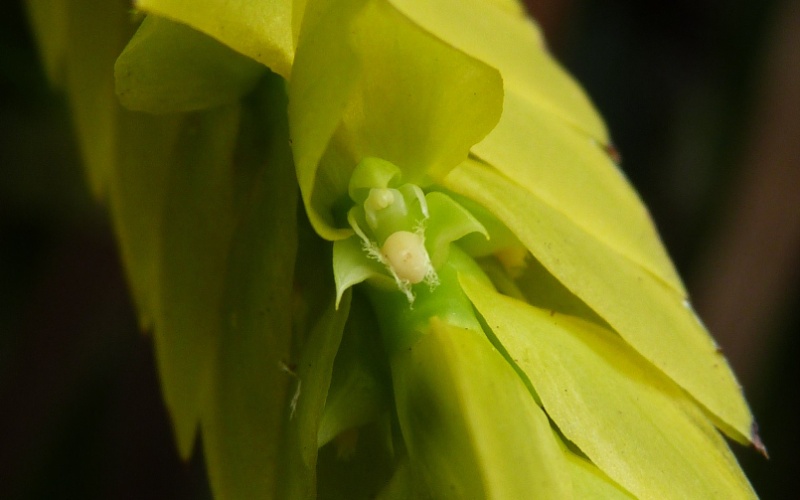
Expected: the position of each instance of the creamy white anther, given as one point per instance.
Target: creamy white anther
(406, 254)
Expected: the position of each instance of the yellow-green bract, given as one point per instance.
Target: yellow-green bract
(570, 317)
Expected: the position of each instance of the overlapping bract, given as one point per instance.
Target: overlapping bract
(614, 390)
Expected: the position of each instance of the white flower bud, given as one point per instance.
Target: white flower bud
(378, 199)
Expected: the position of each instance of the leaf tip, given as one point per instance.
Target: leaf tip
(758, 444)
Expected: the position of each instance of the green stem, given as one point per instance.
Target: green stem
(402, 324)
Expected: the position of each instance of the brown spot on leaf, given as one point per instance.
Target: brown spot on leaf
(613, 153)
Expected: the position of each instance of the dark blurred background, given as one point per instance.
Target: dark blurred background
(702, 99)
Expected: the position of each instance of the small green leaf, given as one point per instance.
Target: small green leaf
(448, 222)
(169, 67)
(648, 314)
(632, 421)
(501, 239)
(351, 266)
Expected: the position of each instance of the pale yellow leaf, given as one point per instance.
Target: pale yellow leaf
(651, 316)
(634, 423)
(573, 174)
